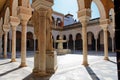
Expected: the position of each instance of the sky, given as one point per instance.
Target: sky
(70, 6)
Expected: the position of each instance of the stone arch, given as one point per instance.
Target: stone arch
(7, 16)
(100, 8)
(30, 41)
(91, 41)
(14, 7)
(78, 42)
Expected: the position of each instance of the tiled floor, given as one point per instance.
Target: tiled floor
(69, 68)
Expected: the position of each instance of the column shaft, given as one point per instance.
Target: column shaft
(1, 46)
(5, 44)
(42, 45)
(13, 59)
(84, 38)
(34, 45)
(96, 45)
(112, 44)
(23, 44)
(105, 45)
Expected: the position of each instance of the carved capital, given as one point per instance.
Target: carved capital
(14, 21)
(104, 21)
(24, 13)
(104, 24)
(105, 28)
(84, 14)
(6, 28)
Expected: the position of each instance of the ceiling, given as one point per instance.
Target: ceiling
(2, 2)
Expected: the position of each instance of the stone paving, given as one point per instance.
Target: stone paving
(69, 67)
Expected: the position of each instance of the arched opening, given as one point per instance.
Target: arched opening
(30, 42)
(100, 41)
(53, 42)
(78, 42)
(65, 43)
(70, 42)
(57, 38)
(99, 8)
(91, 41)
(94, 11)
(18, 40)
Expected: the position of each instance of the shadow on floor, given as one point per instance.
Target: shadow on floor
(32, 77)
(9, 71)
(92, 74)
(112, 62)
(5, 63)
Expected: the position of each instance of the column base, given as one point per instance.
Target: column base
(85, 64)
(38, 73)
(106, 58)
(51, 64)
(13, 60)
(23, 64)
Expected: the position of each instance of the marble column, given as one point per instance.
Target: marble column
(84, 16)
(105, 43)
(40, 32)
(1, 34)
(74, 45)
(14, 23)
(113, 45)
(5, 44)
(96, 48)
(25, 13)
(34, 44)
(6, 28)
(84, 39)
(1, 45)
(13, 58)
(23, 44)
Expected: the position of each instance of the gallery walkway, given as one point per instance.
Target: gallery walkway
(69, 68)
